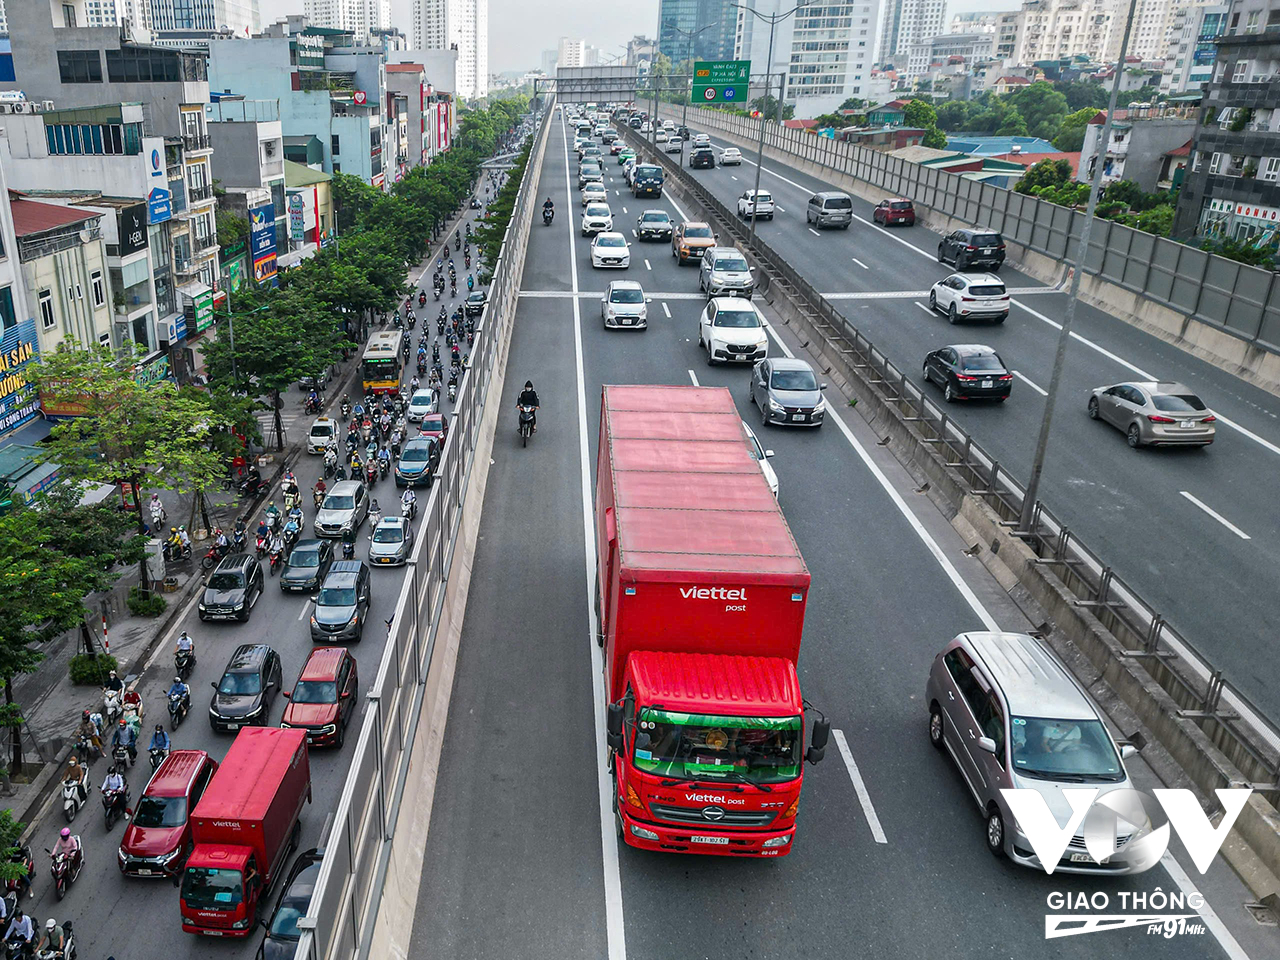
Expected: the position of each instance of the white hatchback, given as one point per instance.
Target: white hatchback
(420, 404)
(610, 250)
(322, 430)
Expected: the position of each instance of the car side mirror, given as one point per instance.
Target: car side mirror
(287, 694)
(822, 386)
(1128, 750)
(987, 744)
(214, 684)
(615, 726)
(346, 694)
(648, 299)
(818, 745)
(768, 454)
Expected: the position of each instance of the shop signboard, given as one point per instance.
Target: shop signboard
(18, 399)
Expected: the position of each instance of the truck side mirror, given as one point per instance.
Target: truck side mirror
(821, 734)
(615, 726)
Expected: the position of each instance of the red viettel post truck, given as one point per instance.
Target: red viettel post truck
(701, 596)
(244, 827)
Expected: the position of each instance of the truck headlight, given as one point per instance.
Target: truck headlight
(242, 924)
(642, 833)
(781, 841)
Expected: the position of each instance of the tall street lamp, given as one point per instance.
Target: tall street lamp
(690, 36)
(773, 19)
(1082, 252)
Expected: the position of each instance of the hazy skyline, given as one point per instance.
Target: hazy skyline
(519, 30)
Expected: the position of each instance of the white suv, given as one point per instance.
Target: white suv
(731, 332)
(759, 200)
(596, 218)
(977, 295)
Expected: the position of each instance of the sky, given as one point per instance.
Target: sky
(519, 30)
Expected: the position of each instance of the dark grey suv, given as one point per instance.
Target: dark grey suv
(342, 606)
(971, 247)
(232, 589)
(244, 695)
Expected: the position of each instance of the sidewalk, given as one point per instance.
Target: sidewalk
(50, 703)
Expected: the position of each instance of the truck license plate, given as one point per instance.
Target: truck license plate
(719, 841)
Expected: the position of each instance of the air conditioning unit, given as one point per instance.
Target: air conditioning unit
(47, 105)
(24, 108)
(167, 330)
(6, 108)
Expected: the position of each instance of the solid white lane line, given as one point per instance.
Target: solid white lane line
(694, 377)
(859, 787)
(860, 263)
(1034, 386)
(615, 933)
(932, 545)
(924, 308)
(814, 232)
(666, 311)
(1216, 515)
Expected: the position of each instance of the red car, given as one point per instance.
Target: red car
(158, 838)
(435, 425)
(893, 211)
(322, 700)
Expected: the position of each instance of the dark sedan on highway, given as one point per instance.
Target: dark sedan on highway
(968, 371)
(281, 941)
(308, 562)
(653, 225)
(473, 306)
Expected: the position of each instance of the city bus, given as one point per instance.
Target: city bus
(381, 367)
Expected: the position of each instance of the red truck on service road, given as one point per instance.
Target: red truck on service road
(701, 592)
(244, 827)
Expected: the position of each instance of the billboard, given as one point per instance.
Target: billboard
(262, 242)
(131, 225)
(584, 84)
(18, 399)
(720, 81)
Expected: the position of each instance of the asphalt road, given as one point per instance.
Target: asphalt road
(518, 862)
(137, 919)
(1134, 508)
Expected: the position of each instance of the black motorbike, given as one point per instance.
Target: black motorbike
(113, 805)
(457, 242)
(251, 486)
(547, 216)
(178, 707)
(238, 536)
(348, 549)
(277, 556)
(176, 551)
(526, 424)
(184, 662)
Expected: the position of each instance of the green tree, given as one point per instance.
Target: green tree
(41, 595)
(954, 115)
(145, 435)
(934, 138)
(853, 103)
(834, 120)
(917, 113)
(1046, 173)
(1042, 108)
(10, 836)
(1070, 135)
(1084, 93)
(768, 105)
(231, 229)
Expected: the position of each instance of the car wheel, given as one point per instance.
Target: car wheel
(933, 301)
(1134, 436)
(941, 258)
(764, 414)
(1002, 318)
(948, 394)
(928, 374)
(995, 832)
(711, 360)
(342, 734)
(961, 263)
(1093, 408)
(845, 226)
(951, 314)
(935, 726)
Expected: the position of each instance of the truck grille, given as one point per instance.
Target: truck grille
(731, 818)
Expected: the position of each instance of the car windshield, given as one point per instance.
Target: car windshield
(656, 218)
(284, 926)
(225, 581)
(433, 423)
(422, 398)
(696, 747)
(208, 888)
(1178, 403)
(160, 812)
(389, 533)
(304, 558)
(986, 239)
(321, 430)
(1064, 750)
(611, 242)
(337, 597)
(597, 210)
(732, 264)
(416, 454)
(627, 296)
(315, 691)
(700, 233)
(793, 380)
(987, 291)
(335, 502)
(737, 318)
(240, 684)
(982, 362)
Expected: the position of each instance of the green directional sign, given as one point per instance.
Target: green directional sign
(720, 81)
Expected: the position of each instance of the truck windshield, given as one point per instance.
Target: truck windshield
(207, 888)
(699, 747)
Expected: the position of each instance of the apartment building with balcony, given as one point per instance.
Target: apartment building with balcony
(1141, 140)
(1233, 187)
(1060, 29)
(248, 156)
(1192, 47)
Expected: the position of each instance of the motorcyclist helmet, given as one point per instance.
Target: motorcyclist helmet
(175, 680)
(112, 674)
(173, 529)
(51, 923)
(159, 728)
(120, 722)
(64, 833)
(85, 715)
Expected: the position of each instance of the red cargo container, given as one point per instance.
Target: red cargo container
(701, 594)
(244, 827)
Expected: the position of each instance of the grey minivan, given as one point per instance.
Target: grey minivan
(830, 209)
(1012, 717)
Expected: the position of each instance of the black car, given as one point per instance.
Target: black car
(342, 606)
(306, 567)
(684, 134)
(244, 695)
(474, 304)
(968, 371)
(653, 225)
(635, 122)
(232, 589)
(702, 157)
(281, 941)
(971, 247)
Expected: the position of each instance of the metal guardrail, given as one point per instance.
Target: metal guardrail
(1235, 725)
(339, 922)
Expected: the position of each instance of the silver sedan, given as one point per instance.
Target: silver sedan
(1154, 413)
(391, 542)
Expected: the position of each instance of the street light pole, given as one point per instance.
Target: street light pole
(1068, 316)
(688, 84)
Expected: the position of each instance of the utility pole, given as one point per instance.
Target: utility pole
(1073, 296)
